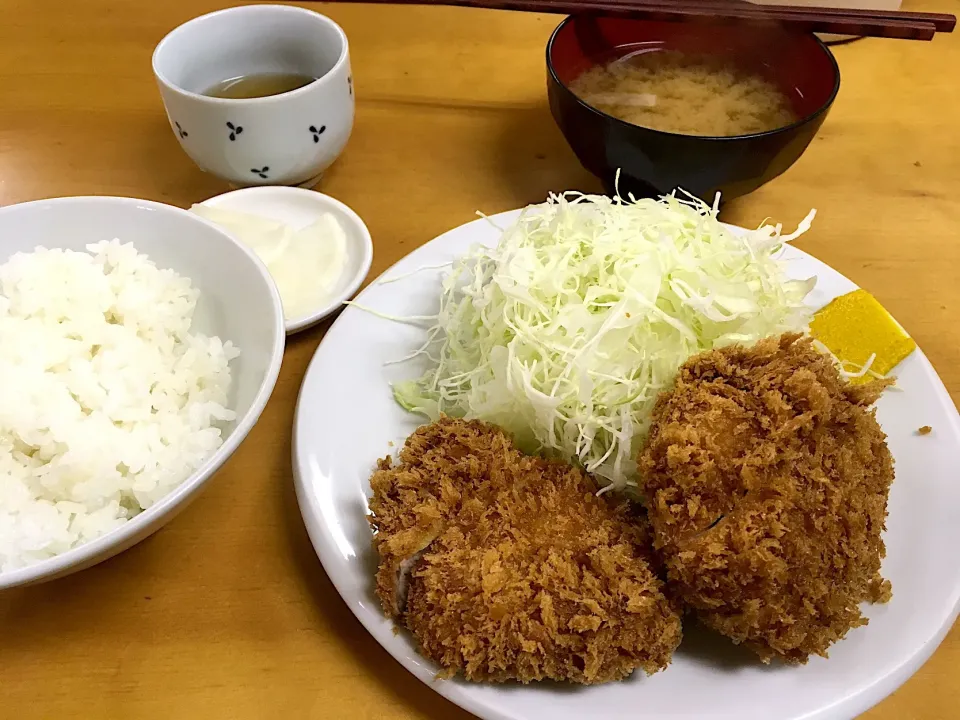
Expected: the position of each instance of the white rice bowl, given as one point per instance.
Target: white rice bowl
(108, 401)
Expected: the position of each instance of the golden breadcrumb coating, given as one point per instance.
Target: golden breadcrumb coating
(766, 477)
(518, 571)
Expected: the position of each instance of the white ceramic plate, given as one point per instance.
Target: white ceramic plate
(299, 207)
(346, 419)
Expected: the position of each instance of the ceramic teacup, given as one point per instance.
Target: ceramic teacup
(286, 139)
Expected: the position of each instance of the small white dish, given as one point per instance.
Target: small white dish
(285, 139)
(709, 678)
(299, 207)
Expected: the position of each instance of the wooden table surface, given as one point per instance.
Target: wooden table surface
(226, 613)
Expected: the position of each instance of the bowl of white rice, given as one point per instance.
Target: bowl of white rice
(139, 344)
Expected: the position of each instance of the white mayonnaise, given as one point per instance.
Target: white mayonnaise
(305, 263)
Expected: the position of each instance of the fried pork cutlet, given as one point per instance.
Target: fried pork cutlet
(517, 570)
(766, 476)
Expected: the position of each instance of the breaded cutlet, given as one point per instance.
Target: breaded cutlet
(766, 477)
(517, 570)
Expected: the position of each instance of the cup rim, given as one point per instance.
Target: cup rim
(255, 9)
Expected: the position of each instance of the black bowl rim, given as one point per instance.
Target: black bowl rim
(711, 138)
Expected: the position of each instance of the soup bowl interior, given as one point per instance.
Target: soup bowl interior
(652, 161)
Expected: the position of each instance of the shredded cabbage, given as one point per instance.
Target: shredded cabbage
(565, 332)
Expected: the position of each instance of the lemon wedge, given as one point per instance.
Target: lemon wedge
(856, 327)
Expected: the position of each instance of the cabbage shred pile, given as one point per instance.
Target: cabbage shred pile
(565, 333)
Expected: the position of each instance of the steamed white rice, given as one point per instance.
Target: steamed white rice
(107, 400)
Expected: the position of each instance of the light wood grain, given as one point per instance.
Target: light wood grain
(227, 613)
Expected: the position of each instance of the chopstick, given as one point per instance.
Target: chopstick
(942, 22)
(865, 23)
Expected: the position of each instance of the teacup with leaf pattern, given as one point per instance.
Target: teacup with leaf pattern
(285, 139)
